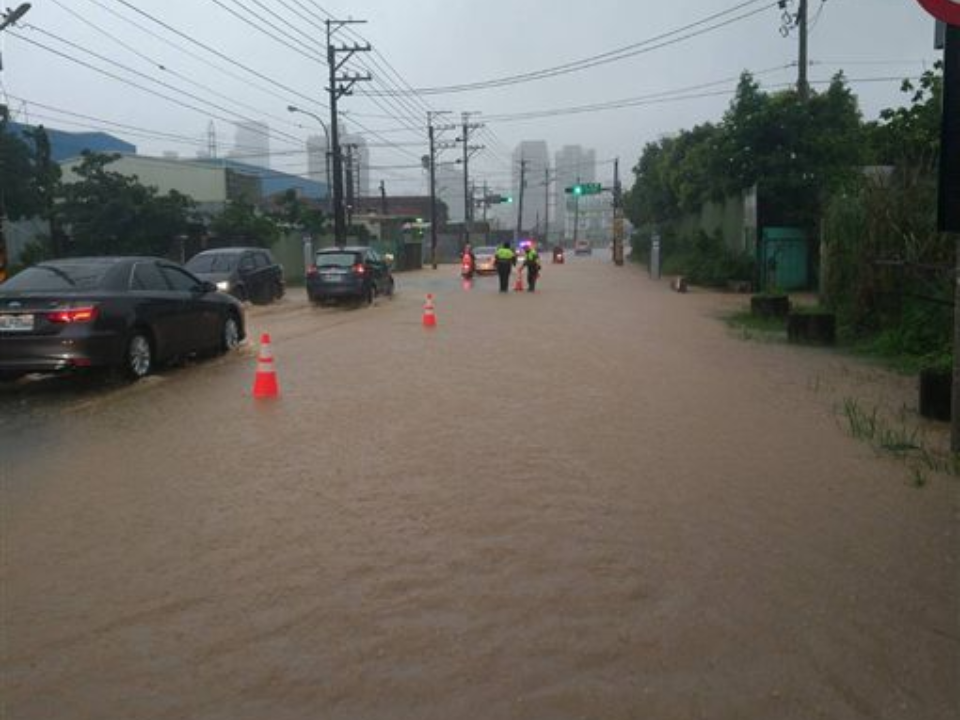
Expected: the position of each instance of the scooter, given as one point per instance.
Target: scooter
(467, 267)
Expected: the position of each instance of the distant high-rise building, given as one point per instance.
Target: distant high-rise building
(252, 143)
(537, 158)
(573, 164)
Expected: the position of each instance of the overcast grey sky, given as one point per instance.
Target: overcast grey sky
(433, 43)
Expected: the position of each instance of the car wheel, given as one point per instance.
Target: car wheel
(230, 334)
(278, 290)
(240, 293)
(368, 296)
(138, 359)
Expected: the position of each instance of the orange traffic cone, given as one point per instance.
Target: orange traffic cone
(429, 317)
(518, 285)
(265, 384)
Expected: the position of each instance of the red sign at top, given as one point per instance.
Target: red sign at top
(946, 10)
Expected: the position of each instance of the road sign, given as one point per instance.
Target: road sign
(584, 189)
(946, 10)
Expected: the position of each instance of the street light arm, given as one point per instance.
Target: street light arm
(295, 109)
(13, 15)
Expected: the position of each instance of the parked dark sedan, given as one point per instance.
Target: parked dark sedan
(130, 313)
(349, 273)
(247, 273)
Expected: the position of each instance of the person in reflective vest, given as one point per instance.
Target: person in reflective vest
(531, 262)
(505, 258)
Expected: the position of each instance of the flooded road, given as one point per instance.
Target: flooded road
(589, 502)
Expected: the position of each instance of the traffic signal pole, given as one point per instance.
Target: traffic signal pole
(576, 214)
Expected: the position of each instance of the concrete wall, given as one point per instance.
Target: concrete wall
(727, 218)
(202, 183)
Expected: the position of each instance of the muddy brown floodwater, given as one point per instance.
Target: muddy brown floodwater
(591, 502)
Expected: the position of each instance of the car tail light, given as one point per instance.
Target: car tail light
(359, 269)
(312, 270)
(74, 315)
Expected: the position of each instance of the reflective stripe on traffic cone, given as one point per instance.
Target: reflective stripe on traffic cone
(265, 383)
(429, 317)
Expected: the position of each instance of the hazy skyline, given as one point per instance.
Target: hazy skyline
(430, 43)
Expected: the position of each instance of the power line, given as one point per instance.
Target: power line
(131, 83)
(139, 74)
(214, 51)
(236, 76)
(158, 65)
(662, 40)
(259, 28)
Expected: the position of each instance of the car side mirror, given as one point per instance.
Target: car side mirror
(207, 287)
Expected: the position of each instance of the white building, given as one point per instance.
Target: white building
(209, 185)
(574, 164)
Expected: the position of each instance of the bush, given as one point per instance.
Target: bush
(706, 261)
(881, 249)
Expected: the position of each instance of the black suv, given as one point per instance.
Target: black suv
(349, 273)
(247, 273)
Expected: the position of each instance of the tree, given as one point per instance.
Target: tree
(909, 136)
(27, 174)
(241, 222)
(294, 210)
(106, 213)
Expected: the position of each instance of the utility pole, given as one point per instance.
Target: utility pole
(787, 23)
(486, 202)
(468, 150)
(803, 88)
(617, 215)
(350, 195)
(383, 198)
(546, 206)
(523, 184)
(340, 84)
(431, 162)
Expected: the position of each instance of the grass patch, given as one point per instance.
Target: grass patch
(898, 440)
(755, 327)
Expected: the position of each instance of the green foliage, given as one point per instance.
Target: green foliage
(886, 264)
(797, 153)
(242, 224)
(107, 213)
(762, 324)
(294, 211)
(909, 136)
(705, 260)
(28, 176)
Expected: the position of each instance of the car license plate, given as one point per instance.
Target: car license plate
(332, 277)
(16, 323)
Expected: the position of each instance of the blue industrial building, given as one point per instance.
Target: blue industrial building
(64, 145)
